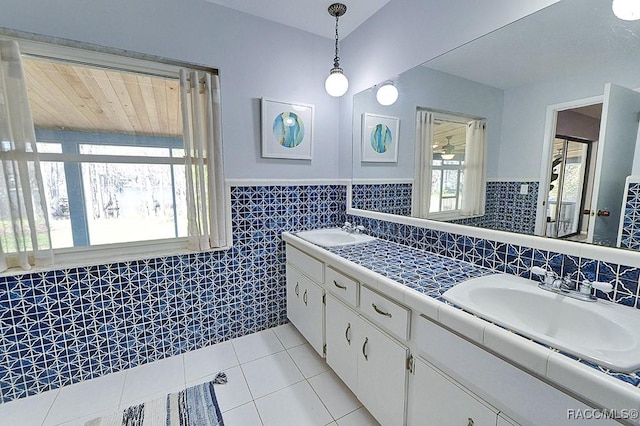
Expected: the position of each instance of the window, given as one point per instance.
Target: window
(109, 136)
(446, 185)
(450, 169)
(112, 158)
(448, 165)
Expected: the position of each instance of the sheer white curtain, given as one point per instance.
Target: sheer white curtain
(200, 96)
(25, 240)
(473, 192)
(421, 196)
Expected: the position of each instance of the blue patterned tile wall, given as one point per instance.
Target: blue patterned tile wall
(506, 209)
(64, 326)
(392, 198)
(631, 218)
(510, 210)
(511, 258)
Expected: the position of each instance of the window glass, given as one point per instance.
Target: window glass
(448, 166)
(133, 202)
(131, 119)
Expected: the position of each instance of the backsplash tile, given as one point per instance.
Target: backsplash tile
(506, 209)
(63, 326)
(630, 237)
(392, 198)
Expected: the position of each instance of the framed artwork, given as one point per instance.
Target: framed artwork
(380, 138)
(287, 130)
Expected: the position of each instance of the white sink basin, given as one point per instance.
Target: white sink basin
(602, 332)
(333, 237)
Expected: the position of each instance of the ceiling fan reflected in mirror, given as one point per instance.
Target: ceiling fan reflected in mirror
(447, 150)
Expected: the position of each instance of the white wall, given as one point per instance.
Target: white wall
(405, 33)
(525, 114)
(427, 88)
(255, 57)
(259, 58)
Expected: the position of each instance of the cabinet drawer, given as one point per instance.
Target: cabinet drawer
(385, 312)
(313, 268)
(342, 286)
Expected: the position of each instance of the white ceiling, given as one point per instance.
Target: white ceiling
(308, 15)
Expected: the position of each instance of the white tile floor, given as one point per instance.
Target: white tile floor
(274, 378)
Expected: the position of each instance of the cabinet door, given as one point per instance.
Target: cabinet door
(342, 332)
(312, 307)
(294, 307)
(436, 400)
(305, 308)
(382, 375)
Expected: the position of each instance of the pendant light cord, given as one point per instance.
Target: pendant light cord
(336, 59)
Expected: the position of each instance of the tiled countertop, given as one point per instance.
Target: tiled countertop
(427, 273)
(431, 275)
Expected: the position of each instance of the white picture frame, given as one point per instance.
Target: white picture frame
(380, 138)
(286, 129)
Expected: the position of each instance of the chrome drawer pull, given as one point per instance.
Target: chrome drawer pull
(341, 287)
(346, 333)
(386, 314)
(297, 290)
(304, 297)
(364, 348)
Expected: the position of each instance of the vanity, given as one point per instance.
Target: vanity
(375, 311)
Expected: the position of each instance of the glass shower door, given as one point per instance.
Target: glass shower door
(568, 180)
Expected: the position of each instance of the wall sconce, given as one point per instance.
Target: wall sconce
(387, 94)
(627, 10)
(337, 83)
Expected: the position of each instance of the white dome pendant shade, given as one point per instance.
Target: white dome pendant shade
(336, 84)
(387, 94)
(627, 10)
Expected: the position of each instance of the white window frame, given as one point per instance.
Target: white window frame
(92, 55)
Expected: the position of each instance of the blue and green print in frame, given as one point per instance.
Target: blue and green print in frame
(287, 130)
(379, 138)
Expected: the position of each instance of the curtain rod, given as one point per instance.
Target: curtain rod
(40, 38)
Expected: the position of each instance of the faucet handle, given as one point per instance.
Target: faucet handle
(360, 229)
(536, 270)
(548, 276)
(587, 285)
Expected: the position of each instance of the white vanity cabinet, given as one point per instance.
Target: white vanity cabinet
(369, 361)
(438, 398)
(414, 361)
(305, 307)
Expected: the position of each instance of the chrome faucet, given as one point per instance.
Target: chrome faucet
(348, 227)
(567, 287)
(563, 284)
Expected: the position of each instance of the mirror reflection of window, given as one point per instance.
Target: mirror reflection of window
(450, 166)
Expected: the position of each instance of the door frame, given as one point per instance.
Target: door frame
(547, 154)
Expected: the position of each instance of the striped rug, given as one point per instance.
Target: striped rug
(194, 406)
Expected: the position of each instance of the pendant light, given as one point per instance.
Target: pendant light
(627, 10)
(387, 94)
(447, 150)
(337, 83)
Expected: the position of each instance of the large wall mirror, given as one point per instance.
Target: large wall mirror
(531, 129)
